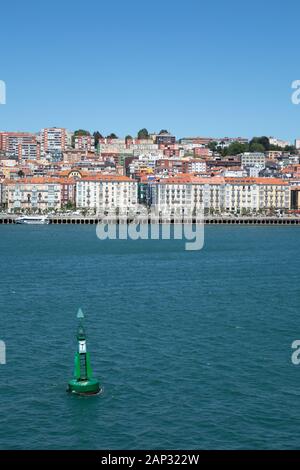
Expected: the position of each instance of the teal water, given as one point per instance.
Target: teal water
(193, 349)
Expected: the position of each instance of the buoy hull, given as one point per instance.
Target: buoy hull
(84, 387)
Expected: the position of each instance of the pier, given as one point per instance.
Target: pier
(208, 220)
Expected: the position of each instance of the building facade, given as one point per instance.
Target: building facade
(221, 194)
(84, 142)
(253, 159)
(34, 194)
(106, 192)
(53, 140)
(22, 145)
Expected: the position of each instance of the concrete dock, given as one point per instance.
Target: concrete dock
(208, 220)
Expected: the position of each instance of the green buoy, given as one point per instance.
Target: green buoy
(83, 383)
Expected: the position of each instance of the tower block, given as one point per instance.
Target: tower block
(83, 382)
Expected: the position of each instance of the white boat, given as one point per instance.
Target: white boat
(32, 219)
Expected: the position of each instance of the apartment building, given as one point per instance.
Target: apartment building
(84, 142)
(279, 142)
(53, 140)
(106, 192)
(36, 193)
(187, 191)
(253, 159)
(221, 194)
(194, 166)
(22, 145)
(165, 139)
(254, 194)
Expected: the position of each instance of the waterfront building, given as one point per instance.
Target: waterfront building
(36, 193)
(221, 194)
(106, 192)
(189, 191)
(254, 194)
(295, 197)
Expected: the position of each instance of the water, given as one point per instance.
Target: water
(193, 349)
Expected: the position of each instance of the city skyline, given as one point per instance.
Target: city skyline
(203, 69)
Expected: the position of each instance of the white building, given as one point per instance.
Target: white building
(221, 194)
(278, 142)
(254, 194)
(253, 158)
(106, 192)
(187, 191)
(33, 193)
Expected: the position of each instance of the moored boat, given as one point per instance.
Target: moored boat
(32, 220)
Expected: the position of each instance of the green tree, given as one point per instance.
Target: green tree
(164, 131)
(81, 132)
(264, 141)
(212, 146)
(112, 136)
(128, 137)
(236, 148)
(290, 148)
(257, 147)
(97, 137)
(143, 134)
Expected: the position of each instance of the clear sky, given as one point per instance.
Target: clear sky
(210, 68)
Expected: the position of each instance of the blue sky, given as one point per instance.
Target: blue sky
(217, 68)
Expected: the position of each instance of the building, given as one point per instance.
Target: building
(84, 142)
(279, 143)
(165, 139)
(253, 158)
(187, 191)
(53, 140)
(295, 197)
(254, 194)
(220, 194)
(297, 144)
(194, 166)
(22, 145)
(106, 192)
(273, 154)
(37, 194)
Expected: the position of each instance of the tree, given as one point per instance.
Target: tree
(128, 137)
(264, 141)
(143, 134)
(163, 131)
(212, 146)
(112, 136)
(97, 137)
(290, 148)
(81, 132)
(257, 147)
(236, 148)
(21, 173)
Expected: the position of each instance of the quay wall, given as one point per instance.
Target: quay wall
(63, 220)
